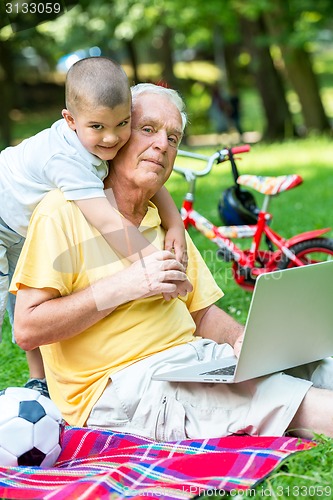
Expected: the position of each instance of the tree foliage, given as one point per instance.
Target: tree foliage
(163, 31)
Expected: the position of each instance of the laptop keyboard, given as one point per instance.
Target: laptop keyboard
(227, 370)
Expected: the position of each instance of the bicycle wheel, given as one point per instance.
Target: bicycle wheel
(309, 252)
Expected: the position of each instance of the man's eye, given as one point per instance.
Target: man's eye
(97, 127)
(173, 140)
(147, 129)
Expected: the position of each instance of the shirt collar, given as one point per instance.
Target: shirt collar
(152, 218)
(73, 140)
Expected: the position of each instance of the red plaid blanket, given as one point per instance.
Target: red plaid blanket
(103, 465)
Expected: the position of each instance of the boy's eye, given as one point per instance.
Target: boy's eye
(96, 126)
(124, 123)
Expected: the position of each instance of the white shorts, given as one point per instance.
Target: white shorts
(132, 402)
(10, 248)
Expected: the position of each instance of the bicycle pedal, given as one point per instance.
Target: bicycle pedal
(225, 255)
(246, 272)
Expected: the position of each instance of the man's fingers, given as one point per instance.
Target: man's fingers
(164, 274)
(168, 257)
(169, 296)
(164, 254)
(172, 264)
(238, 345)
(173, 275)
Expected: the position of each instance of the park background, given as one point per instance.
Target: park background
(272, 57)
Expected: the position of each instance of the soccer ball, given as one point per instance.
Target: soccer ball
(30, 428)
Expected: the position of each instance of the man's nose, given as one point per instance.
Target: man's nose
(161, 140)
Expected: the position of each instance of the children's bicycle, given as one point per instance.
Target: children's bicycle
(244, 219)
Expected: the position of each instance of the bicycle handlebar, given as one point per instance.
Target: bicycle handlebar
(218, 157)
(245, 148)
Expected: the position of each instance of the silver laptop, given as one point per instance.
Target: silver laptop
(290, 322)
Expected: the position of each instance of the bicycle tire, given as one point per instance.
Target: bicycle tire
(309, 252)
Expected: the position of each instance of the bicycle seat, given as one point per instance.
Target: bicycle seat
(270, 185)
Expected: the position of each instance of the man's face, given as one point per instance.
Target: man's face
(148, 157)
(101, 130)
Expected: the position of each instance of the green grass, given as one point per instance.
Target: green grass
(14, 368)
(306, 207)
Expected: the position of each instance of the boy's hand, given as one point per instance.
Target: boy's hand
(175, 242)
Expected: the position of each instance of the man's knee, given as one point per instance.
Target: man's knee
(320, 373)
(314, 415)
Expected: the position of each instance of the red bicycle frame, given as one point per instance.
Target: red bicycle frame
(252, 261)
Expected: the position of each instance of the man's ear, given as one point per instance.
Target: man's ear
(69, 118)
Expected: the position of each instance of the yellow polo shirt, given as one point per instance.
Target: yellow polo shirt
(63, 251)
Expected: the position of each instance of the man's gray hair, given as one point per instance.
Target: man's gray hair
(172, 95)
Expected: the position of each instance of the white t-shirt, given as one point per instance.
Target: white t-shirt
(53, 158)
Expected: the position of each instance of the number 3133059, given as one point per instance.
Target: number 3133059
(33, 8)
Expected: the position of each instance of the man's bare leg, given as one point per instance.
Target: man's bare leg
(315, 414)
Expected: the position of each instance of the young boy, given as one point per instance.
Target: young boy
(73, 156)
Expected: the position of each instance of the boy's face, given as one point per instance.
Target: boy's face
(101, 130)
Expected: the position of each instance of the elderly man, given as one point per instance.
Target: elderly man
(104, 327)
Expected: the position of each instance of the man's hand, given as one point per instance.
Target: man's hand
(238, 345)
(159, 273)
(42, 316)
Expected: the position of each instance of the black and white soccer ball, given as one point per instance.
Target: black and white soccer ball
(30, 428)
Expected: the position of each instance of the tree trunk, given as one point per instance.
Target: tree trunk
(298, 65)
(302, 78)
(219, 57)
(166, 53)
(6, 92)
(231, 53)
(279, 122)
(134, 60)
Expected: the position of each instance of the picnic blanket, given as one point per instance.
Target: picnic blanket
(101, 465)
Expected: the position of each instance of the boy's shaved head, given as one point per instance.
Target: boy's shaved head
(96, 81)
